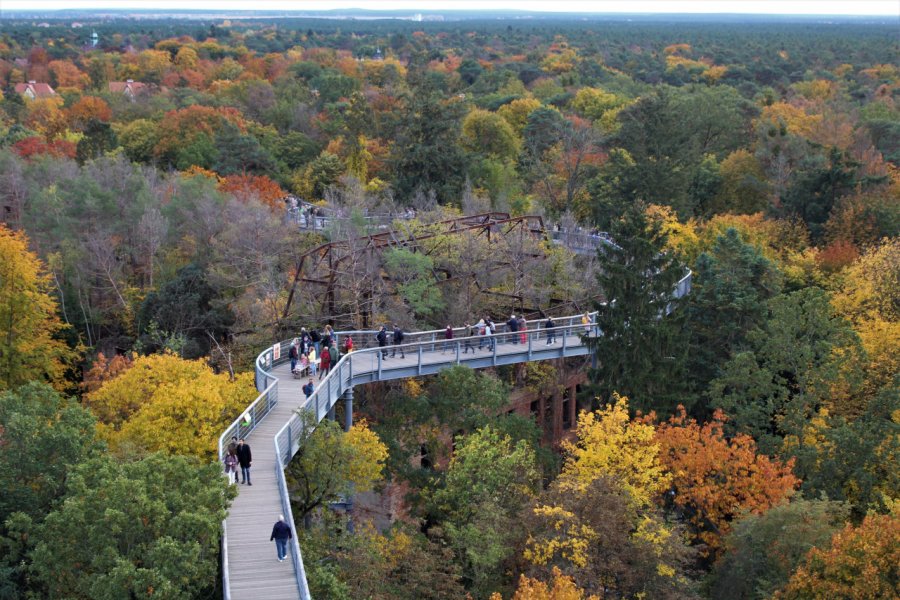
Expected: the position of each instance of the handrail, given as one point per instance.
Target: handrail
(226, 585)
(296, 557)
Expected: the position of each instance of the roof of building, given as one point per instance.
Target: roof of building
(39, 90)
(124, 86)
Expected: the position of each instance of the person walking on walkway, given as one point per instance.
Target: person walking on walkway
(327, 336)
(231, 465)
(281, 533)
(551, 333)
(489, 330)
(398, 339)
(325, 365)
(523, 330)
(382, 338)
(586, 321)
(481, 330)
(294, 354)
(309, 388)
(313, 361)
(334, 353)
(305, 341)
(448, 336)
(470, 331)
(245, 458)
(316, 340)
(512, 326)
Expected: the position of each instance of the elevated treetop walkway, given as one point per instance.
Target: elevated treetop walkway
(249, 567)
(274, 429)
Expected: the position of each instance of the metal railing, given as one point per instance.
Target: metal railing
(296, 557)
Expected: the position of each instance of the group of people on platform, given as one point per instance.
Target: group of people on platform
(485, 330)
(316, 351)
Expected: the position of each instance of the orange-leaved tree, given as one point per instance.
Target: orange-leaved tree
(29, 348)
(715, 479)
(245, 187)
(105, 369)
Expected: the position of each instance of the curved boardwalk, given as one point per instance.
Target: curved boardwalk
(250, 567)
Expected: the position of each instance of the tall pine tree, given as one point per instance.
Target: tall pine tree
(642, 350)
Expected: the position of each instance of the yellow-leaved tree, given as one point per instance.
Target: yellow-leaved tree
(165, 403)
(29, 349)
(610, 444)
(562, 588)
(598, 522)
(869, 296)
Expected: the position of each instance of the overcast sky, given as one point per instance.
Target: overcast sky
(823, 7)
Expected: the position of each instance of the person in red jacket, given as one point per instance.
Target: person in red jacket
(325, 364)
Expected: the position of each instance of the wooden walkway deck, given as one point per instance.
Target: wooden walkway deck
(253, 569)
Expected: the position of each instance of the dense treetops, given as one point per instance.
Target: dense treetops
(146, 258)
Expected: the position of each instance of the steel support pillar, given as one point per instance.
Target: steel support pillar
(348, 409)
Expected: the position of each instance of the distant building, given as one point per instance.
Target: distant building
(77, 25)
(95, 39)
(33, 90)
(378, 55)
(129, 88)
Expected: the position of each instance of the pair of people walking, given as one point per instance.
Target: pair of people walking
(396, 336)
(238, 455)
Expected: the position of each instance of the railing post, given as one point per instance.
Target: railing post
(380, 356)
(530, 335)
(565, 337)
(419, 365)
(494, 355)
(289, 442)
(457, 352)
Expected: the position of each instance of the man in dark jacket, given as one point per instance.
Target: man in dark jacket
(551, 333)
(513, 326)
(244, 458)
(281, 533)
(294, 355)
(316, 341)
(382, 338)
(398, 339)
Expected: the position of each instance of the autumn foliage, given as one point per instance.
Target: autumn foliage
(32, 147)
(561, 588)
(105, 369)
(29, 325)
(715, 479)
(165, 403)
(247, 187)
(862, 563)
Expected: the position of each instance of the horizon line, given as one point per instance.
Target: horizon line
(784, 8)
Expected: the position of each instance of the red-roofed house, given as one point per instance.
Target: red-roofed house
(33, 90)
(129, 88)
